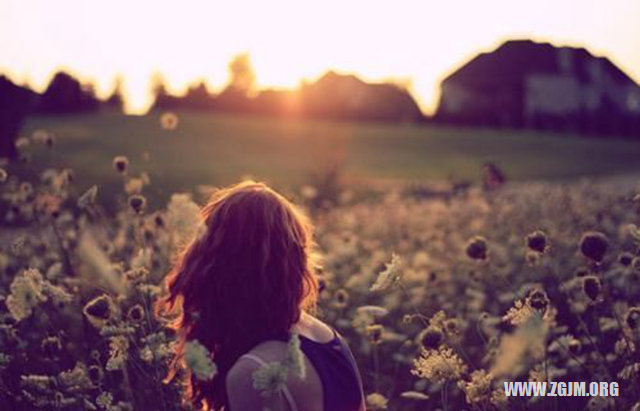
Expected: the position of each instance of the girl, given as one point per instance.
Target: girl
(241, 288)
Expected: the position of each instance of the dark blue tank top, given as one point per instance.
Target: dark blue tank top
(338, 372)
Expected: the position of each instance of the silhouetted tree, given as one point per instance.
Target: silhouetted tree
(65, 95)
(162, 100)
(242, 78)
(15, 103)
(116, 99)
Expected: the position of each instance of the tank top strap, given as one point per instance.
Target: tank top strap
(287, 394)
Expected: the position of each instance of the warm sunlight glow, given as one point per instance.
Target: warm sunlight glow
(290, 40)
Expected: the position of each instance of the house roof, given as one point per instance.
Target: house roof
(512, 61)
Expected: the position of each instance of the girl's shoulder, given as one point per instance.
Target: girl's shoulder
(308, 327)
(314, 329)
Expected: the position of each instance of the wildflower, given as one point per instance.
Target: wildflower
(634, 232)
(100, 310)
(477, 248)
(146, 355)
(25, 294)
(134, 186)
(48, 204)
(198, 360)
(3, 175)
(105, 400)
(121, 164)
(342, 298)
(158, 220)
(137, 203)
(431, 337)
(75, 379)
(438, 365)
(169, 121)
(591, 286)
(136, 313)
(499, 399)
(294, 358)
(630, 372)
(537, 241)
(389, 276)
(26, 189)
(89, 197)
(538, 299)
(414, 395)
(118, 352)
(270, 378)
(632, 317)
(67, 176)
(600, 403)
(519, 313)
(452, 327)
(376, 401)
(479, 388)
(374, 332)
(183, 218)
(594, 245)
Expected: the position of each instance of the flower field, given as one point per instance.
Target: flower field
(440, 297)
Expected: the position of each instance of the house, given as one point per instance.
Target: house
(524, 84)
(338, 96)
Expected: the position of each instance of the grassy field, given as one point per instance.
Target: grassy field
(440, 299)
(219, 149)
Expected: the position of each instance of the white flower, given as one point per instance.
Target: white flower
(26, 294)
(270, 378)
(294, 358)
(438, 365)
(198, 360)
(118, 352)
(376, 401)
(389, 276)
(183, 218)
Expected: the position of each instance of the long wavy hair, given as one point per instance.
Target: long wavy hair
(245, 279)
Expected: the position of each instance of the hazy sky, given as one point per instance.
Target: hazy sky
(288, 40)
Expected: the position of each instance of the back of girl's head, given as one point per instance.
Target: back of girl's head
(243, 280)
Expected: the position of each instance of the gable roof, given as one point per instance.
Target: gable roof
(512, 61)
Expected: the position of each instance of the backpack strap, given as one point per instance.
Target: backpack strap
(287, 394)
